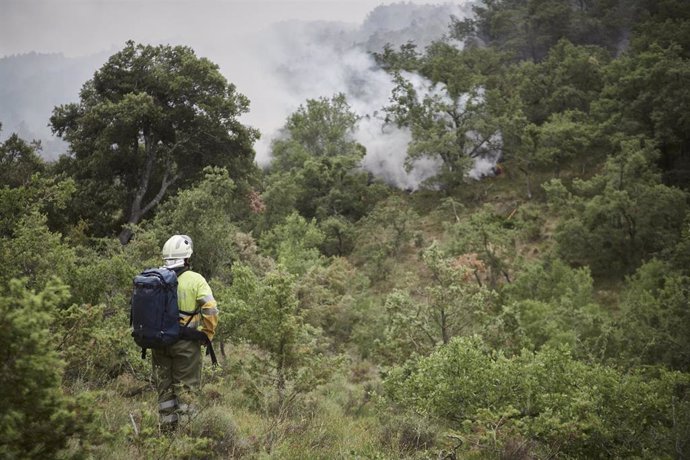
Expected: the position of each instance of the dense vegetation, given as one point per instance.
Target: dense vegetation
(542, 312)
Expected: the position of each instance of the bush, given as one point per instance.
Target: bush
(550, 303)
(654, 305)
(37, 418)
(549, 398)
(216, 424)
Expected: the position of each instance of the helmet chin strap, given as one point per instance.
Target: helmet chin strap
(173, 263)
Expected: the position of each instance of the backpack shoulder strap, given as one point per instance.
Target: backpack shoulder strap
(211, 351)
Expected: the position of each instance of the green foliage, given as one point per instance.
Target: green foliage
(216, 426)
(36, 252)
(384, 234)
(456, 304)
(663, 23)
(96, 344)
(546, 125)
(620, 217)
(316, 165)
(407, 58)
(569, 79)
(340, 275)
(38, 419)
(646, 94)
(327, 298)
(294, 244)
(265, 312)
(45, 195)
(450, 305)
(339, 235)
(409, 434)
(451, 128)
(490, 237)
(103, 275)
(563, 406)
(146, 124)
(19, 161)
(322, 128)
(653, 306)
(207, 212)
(529, 29)
(553, 305)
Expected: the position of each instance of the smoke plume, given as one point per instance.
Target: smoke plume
(278, 64)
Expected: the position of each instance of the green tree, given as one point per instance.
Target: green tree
(564, 141)
(316, 165)
(209, 213)
(146, 124)
(527, 29)
(36, 253)
(38, 419)
(406, 58)
(619, 218)
(647, 94)
(490, 237)
(553, 305)
(294, 244)
(265, 312)
(328, 300)
(570, 78)
(383, 235)
(661, 24)
(551, 402)
(654, 305)
(321, 128)
(48, 196)
(19, 161)
(450, 304)
(451, 128)
(455, 302)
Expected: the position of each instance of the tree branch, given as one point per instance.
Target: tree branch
(159, 196)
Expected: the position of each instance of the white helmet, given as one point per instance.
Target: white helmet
(176, 250)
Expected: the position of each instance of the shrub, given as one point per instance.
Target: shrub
(37, 418)
(548, 397)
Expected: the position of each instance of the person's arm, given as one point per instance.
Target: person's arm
(209, 310)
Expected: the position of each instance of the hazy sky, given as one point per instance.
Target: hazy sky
(276, 52)
(79, 27)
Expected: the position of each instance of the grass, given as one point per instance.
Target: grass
(240, 418)
(336, 420)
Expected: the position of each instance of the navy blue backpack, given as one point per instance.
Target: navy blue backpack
(154, 313)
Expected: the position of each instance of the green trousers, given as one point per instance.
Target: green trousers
(177, 372)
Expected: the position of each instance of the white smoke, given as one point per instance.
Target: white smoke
(319, 59)
(278, 65)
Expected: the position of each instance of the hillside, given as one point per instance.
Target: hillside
(527, 299)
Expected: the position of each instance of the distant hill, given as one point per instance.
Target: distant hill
(32, 84)
(399, 23)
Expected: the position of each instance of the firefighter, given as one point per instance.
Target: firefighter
(177, 368)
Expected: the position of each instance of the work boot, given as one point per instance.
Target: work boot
(169, 423)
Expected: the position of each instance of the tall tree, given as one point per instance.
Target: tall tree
(146, 124)
(647, 94)
(620, 217)
(451, 107)
(19, 160)
(527, 29)
(316, 164)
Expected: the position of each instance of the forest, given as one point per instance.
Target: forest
(539, 311)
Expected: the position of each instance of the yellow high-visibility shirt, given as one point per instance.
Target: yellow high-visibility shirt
(194, 293)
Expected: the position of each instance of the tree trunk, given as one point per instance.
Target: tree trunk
(280, 368)
(136, 210)
(445, 336)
